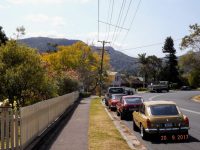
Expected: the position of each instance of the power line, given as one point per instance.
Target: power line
(113, 3)
(120, 13)
(124, 19)
(150, 45)
(108, 16)
(120, 18)
(132, 20)
(113, 25)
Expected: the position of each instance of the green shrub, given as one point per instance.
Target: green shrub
(142, 89)
(67, 85)
(84, 94)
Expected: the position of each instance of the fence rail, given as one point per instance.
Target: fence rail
(19, 128)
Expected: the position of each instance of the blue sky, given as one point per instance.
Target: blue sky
(78, 19)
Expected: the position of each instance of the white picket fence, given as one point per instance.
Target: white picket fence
(10, 129)
(19, 129)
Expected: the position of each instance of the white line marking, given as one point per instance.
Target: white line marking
(191, 111)
(151, 98)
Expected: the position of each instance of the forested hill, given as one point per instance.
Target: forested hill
(44, 44)
(119, 61)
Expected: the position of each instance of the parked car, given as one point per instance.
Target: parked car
(161, 117)
(129, 91)
(185, 88)
(127, 105)
(114, 100)
(113, 90)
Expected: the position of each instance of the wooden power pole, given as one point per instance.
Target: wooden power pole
(101, 67)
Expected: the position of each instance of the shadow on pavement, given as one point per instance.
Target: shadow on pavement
(48, 139)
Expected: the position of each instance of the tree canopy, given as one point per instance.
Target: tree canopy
(80, 59)
(189, 65)
(22, 73)
(3, 37)
(150, 67)
(192, 41)
(171, 67)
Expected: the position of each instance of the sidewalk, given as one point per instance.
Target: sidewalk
(72, 131)
(74, 135)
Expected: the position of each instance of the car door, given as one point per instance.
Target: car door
(140, 115)
(143, 115)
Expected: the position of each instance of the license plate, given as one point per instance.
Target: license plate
(168, 125)
(132, 109)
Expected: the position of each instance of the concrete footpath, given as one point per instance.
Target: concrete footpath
(74, 135)
(73, 130)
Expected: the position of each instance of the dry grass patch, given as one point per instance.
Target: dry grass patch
(102, 133)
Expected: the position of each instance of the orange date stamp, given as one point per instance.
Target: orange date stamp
(178, 137)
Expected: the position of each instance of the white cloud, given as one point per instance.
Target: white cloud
(46, 1)
(48, 20)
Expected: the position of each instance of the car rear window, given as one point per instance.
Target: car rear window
(133, 100)
(162, 110)
(116, 90)
(117, 96)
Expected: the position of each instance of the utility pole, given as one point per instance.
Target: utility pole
(101, 69)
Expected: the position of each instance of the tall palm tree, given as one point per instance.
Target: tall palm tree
(144, 61)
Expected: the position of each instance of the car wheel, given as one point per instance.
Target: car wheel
(142, 132)
(117, 113)
(135, 128)
(121, 116)
(106, 102)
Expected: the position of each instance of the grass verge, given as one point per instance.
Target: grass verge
(102, 133)
(197, 98)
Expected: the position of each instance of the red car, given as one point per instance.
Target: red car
(114, 100)
(127, 105)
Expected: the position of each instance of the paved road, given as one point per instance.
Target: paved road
(189, 108)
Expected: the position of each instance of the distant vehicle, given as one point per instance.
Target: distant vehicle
(129, 91)
(127, 105)
(161, 117)
(114, 100)
(160, 87)
(185, 88)
(113, 90)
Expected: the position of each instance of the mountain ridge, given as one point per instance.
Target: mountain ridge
(119, 61)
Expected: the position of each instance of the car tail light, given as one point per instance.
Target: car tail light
(125, 106)
(186, 121)
(148, 123)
